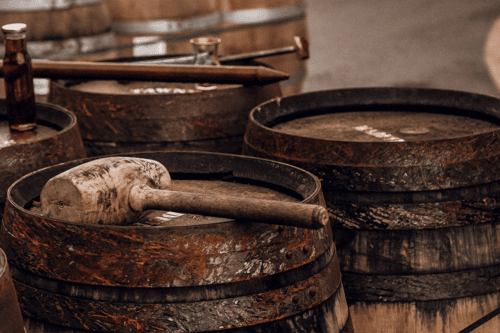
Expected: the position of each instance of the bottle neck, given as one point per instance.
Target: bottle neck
(14, 45)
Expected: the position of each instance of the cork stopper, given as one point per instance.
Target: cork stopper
(14, 31)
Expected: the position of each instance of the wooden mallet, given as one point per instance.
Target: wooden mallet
(116, 190)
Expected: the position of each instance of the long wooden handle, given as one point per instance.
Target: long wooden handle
(142, 197)
(168, 73)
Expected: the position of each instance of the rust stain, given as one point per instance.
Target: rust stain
(111, 127)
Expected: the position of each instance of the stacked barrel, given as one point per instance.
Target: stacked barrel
(168, 271)
(243, 26)
(409, 177)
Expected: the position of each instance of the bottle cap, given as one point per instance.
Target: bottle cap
(14, 30)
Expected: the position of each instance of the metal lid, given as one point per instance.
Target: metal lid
(14, 30)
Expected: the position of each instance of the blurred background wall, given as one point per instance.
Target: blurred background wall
(416, 43)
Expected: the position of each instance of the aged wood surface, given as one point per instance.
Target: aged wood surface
(58, 141)
(379, 166)
(123, 117)
(413, 204)
(98, 192)
(11, 320)
(72, 21)
(168, 270)
(114, 190)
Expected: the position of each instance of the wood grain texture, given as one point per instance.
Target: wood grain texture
(98, 191)
(120, 120)
(19, 157)
(437, 316)
(10, 314)
(54, 24)
(191, 272)
(415, 221)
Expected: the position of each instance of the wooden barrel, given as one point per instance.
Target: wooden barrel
(165, 27)
(178, 272)
(55, 140)
(412, 181)
(135, 23)
(118, 117)
(10, 313)
(249, 26)
(60, 29)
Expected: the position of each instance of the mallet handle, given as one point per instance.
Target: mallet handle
(86, 70)
(142, 197)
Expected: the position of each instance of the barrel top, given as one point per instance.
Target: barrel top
(165, 248)
(380, 115)
(136, 88)
(44, 5)
(385, 126)
(382, 139)
(236, 175)
(52, 120)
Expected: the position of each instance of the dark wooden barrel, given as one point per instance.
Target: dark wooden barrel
(56, 140)
(249, 26)
(135, 23)
(177, 272)
(10, 314)
(60, 29)
(156, 27)
(119, 117)
(411, 178)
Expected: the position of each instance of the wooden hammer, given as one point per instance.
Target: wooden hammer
(115, 190)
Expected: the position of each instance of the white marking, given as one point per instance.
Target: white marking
(378, 134)
(169, 216)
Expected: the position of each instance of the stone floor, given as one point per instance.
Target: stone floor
(411, 43)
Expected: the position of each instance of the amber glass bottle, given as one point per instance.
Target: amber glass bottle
(18, 76)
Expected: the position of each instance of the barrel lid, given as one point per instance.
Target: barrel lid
(382, 139)
(385, 126)
(165, 249)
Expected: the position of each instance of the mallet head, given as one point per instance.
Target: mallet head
(97, 192)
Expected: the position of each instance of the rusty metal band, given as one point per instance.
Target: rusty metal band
(318, 313)
(252, 17)
(177, 294)
(70, 47)
(27, 5)
(414, 197)
(166, 26)
(424, 287)
(228, 312)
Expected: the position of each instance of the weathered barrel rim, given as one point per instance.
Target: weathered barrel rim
(386, 97)
(52, 115)
(195, 293)
(381, 166)
(64, 166)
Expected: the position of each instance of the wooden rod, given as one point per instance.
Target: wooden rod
(246, 209)
(168, 73)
